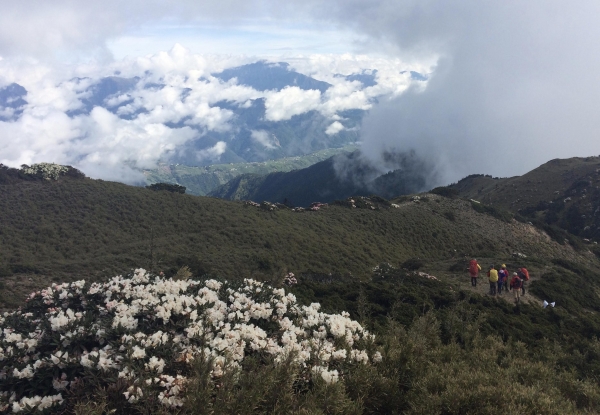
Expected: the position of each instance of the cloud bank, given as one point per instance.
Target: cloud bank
(514, 82)
(112, 120)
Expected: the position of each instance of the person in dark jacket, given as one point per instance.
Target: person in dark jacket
(502, 279)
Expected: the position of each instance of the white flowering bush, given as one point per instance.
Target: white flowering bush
(143, 332)
(48, 171)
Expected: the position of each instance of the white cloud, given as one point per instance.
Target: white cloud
(290, 101)
(334, 128)
(213, 152)
(184, 99)
(265, 138)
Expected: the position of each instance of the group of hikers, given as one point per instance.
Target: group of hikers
(499, 279)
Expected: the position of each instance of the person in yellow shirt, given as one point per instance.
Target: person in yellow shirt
(493, 277)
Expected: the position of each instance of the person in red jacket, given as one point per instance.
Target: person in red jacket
(524, 275)
(515, 286)
(474, 269)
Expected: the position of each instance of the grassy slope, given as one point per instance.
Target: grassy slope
(548, 359)
(87, 227)
(559, 195)
(201, 180)
(518, 192)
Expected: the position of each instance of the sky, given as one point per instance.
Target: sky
(512, 84)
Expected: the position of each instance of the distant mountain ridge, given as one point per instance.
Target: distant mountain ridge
(200, 180)
(562, 193)
(12, 101)
(223, 117)
(265, 75)
(338, 177)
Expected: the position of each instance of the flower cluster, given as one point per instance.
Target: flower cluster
(383, 268)
(146, 330)
(48, 171)
(290, 279)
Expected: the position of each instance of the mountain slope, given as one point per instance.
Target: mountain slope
(264, 75)
(429, 328)
(201, 180)
(79, 225)
(561, 192)
(338, 177)
(12, 101)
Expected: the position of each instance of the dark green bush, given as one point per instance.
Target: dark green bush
(445, 191)
(169, 187)
(498, 213)
(413, 264)
(450, 215)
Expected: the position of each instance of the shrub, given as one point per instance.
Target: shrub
(173, 188)
(445, 191)
(413, 264)
(501, 214)
(450, 215)
(137, 337)
(458, 266)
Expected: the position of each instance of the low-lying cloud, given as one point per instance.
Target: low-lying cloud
(113, 120)
(514, 82)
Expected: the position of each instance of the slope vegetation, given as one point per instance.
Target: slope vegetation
(561, 194)
(359, 255)
(78, 225)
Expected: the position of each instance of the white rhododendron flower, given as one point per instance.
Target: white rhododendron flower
(146, 330)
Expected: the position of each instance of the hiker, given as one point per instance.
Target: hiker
(524, 275)
(502, 278)
(493, 277)
(474, 269)
(515, 285)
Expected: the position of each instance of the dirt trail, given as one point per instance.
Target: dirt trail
(483, 287)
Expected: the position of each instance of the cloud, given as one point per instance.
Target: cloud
(170, 102)
(263, 137)
(213, 152)
(290, 101)
(58, 29)
(515, 82)
(334, 128)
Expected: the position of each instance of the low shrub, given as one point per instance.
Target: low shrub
(137, 338)
(413, 264)
(445, 191)
(501, 214)
(169, 187)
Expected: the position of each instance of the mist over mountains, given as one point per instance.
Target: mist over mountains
(12, 102)
(177, 107)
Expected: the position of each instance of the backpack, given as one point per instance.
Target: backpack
(473, 268)
(523, 274)
(518, 283)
